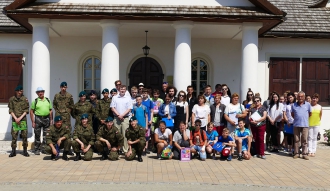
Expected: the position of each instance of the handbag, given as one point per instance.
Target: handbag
(167, 151)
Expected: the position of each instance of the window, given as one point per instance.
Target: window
(199, 75)
(11, 75)
(92, 75)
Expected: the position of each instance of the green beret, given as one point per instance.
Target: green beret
(58, 118)
(64, 84)
(109, 119)
(84, 116)
(113, 90)
(105, 90)
(19, 88)
(82, 93)
(132, 119)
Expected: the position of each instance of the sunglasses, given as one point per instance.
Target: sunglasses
(224, 88)
(181, 95)
(250, 94)
(256, 101)
(198, 125)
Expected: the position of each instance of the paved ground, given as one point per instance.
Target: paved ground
(278, 171)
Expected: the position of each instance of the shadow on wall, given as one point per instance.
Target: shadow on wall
(7, 136)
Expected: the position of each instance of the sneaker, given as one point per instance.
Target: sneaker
(147, 151)
(144, 153)
(274, 151)
(159, 157)
(295, 156)
(37, 152)
(267, 153)
(229, 158)
(263, 157)
(305, 157)
(213, 157)
(240, 157)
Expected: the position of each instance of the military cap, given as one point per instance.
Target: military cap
(84, 116)
(92, 92)
(58, 118)
(113, 90)
(64, 84)
(109, 119)
(19, 88)
(82, 93)
(105, 90)
(132, 119)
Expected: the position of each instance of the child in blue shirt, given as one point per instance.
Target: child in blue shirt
(212, 138)
(150, 108)
(242, 141)
(227, 140)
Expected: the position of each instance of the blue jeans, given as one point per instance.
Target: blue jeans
(202, 155)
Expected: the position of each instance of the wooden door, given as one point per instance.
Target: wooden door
(315, 78)
(284, 74)
(11, 75)
(148, 71)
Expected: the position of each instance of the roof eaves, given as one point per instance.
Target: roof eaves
(269, 7)
(319, 4)
(18, 4)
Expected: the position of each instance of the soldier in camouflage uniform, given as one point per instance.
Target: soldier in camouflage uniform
(109, 139)
(58, 137)
(136, 140)
(18, 108)
(103, 107)
(81, 107)
(62, 104)
(93, 100)
(83, 139)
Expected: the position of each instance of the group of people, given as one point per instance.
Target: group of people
(133, 123)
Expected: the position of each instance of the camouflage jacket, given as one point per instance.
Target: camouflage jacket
(53, 134)
(134, 134)
(81, 108)
(62, 103)
(18, 106)
(103, 109)
(112, 135)
(84, 134)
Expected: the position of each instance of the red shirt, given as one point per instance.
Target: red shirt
(215, 93)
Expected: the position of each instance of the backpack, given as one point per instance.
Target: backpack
(36, 101)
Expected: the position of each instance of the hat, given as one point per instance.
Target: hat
(113, 90)
(40, 89)
(109, 119)
(58, 118)
(82, 93)
(198, 121)
(105, 90)
(19, 88)
(64, 84)
(84, 116)
(141, 84)
(132, 119)
(93, 92)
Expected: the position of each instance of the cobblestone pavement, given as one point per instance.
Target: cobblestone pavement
(278, 171)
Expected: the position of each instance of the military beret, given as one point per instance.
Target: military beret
(84, 116)
(109, 119)
(19, 88)
(58, 118)
(113, 90)
(92, 92)
(64, 84)
(105, 90)
(82, 93)
(132, 119)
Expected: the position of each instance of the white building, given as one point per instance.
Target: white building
(263, 45)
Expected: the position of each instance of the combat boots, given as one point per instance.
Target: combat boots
(53, 157)
(140, 158)
(25, 153)
(13, 152)
(104, 156)
(78, 157)
(65, 156)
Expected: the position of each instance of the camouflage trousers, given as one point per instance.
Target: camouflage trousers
(41, 124)
(137, 149)
(65, 144)
(113, 155)
(77, 149)
(14, 135)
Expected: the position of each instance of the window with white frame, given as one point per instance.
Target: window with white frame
(199, 75)
(92, 75)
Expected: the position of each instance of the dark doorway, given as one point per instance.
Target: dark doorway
(148, 71)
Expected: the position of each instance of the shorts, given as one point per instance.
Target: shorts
(244, 147)
(202, 155)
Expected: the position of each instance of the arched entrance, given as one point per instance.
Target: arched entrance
(148, 71)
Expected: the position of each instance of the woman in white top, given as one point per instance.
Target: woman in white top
(225, 98)
(288, 126)
(182, 110)
(234, 111)
(275, 114)
(202, 112)
(163, 138)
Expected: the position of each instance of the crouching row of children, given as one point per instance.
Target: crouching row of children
(205, 144)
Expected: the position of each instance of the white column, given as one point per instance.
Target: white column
(110, 54)
(249, 76)
(182, 54)
(40, 56)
